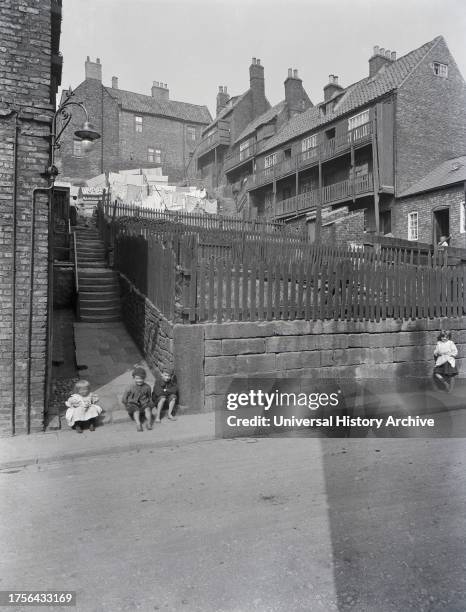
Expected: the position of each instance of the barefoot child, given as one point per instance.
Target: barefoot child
(82, 407)
(445, 364)
(165, 390)
(137, 399)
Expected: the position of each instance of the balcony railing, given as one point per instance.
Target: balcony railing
(212, 141)
(326, 150)
(343, 190)
(233, 160)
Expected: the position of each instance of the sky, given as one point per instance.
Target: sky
(196, 45)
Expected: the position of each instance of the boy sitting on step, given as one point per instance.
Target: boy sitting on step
(165, 390)
(137, 399)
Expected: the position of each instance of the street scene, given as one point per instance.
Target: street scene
(232, 306)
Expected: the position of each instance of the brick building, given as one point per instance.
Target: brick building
(242, 126)
(30, 73)
(434, 206)
(136, 130)
(365, 144)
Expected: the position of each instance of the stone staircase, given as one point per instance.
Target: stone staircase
(99, 291)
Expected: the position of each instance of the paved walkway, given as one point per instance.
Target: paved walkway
(106, 356)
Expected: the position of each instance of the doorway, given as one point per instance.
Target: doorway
(441, 224)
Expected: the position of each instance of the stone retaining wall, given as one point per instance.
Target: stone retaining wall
(387, 349)
(150, 330)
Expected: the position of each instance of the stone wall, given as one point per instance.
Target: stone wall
(385, 349)
(150, 330)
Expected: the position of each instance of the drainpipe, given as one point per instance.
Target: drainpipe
(13, 278)
(46, 190)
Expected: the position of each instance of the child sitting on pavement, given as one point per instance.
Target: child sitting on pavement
(137, 399)
(165, 390)
(82, 407)
(445, 363)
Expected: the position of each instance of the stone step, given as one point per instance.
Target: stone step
(97, 275)
(99, 296)
(90, 264)
(99, 310)
(100, 318)
(91, 306)
(89, 251)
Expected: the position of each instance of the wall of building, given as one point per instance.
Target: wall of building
(25, 27)
(105, 152)
(430, 119)
(345, 231)
(120, 146)
(424, 204)
(299, 349)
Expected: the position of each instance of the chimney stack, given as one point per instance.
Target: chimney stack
(332, 88)
(257, 85)
(222, 98)
(160, 91)
(114, 82)
(296, 98)
(93, 70)
(380, 57)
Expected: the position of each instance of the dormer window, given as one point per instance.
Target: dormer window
(440, 70)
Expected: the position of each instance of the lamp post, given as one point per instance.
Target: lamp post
(87, 134)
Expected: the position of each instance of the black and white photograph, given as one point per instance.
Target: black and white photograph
(233, 305)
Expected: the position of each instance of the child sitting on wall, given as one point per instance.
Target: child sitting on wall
(165, 390)
(137, 399)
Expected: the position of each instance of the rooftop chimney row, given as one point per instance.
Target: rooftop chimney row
(93, 70)
(160, 91)
(380, 57)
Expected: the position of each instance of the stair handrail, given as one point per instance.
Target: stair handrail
(76, 279)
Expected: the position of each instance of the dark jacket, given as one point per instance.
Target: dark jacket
(170, 387)
(137, 394)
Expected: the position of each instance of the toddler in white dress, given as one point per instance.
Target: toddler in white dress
(82, 407)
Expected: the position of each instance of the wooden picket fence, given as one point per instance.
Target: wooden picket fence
(349, 290)
(197, 275)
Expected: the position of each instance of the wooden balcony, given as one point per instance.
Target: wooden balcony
(326, 150)
(220, 137)
(238, 158)
(331, 194)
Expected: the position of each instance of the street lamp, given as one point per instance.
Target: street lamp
(87, 134)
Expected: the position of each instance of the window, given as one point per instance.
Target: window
(288, 154)
(440, 70)
(270, 160)
(269, 163)
(268, 202)
(358, 120)
(154, 155)
(138, 124)
(462, 218)
(244, 150)
(309, 143)
(77, 148)
(413, 226)
(191, 132)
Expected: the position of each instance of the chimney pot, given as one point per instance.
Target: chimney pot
(224, 89)
(258, 62)
(253, 60)
(382, 51)
(290, 72)
(88, 58)
(376, 49)
(220, 89)
(295, 74)
(387, 53)
(335, 79)
(114, 82)
(98, 60)
(393, 56)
